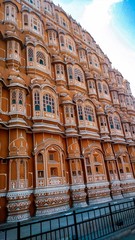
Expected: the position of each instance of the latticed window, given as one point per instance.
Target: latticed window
(80, 112)
(13, 97)
(105, 88)
(59, 69)
(89, 114)
(91, 84)
(48, 7)
(10, 45)
(26, 21)
(62, 69)
(115, 95)
(82, 54)
(10, 13)
(133, 129)
(102, 121)
(52, 36)
(99, 87)
(7, 11)
(16, 47)
(121, 99)
(70, 44)
(40, 158)
(117, 123)
(37, 101)
(20, 97)
(70, 72)
(40, 57)
(62, 42)
(54, 172)
(127, 101)
(95, 60)
(48, 103)
(111, 122)
(131, 101)
(88, 39)
(69, 111)
(57, 18)
(30, 55)
(78, 75)
(126, 127)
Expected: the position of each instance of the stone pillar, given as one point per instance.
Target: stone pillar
(77, 186)
(18, 205)
(18, 195)
(51, 200)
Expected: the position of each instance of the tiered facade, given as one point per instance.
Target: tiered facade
(67, 118)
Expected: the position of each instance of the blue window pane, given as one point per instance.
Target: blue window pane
(81, 117)
(37, 107)
(89, 118)
(13, 101)
(49, 109)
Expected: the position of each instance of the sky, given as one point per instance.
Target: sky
(112, 25)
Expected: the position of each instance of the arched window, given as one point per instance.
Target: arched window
(40, 57)
(20, 98)
(89, 114)
(117, 123)
(14, 97)
(30, 55)
(80, 112)
(48, 103)
(70, 72)
(37, 101)
(48, 8)
(78, 75)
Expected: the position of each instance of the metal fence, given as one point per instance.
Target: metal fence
(85, 224)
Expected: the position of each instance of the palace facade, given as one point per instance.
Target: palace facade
(67, 118)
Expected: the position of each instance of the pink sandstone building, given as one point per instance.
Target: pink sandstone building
(67, 118)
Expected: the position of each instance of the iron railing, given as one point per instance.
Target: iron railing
(82, 224)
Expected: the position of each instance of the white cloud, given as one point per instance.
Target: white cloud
(97, 18)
